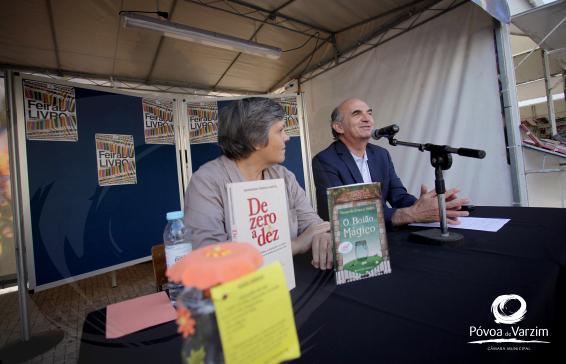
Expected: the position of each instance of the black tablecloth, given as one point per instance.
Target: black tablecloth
(422, 312)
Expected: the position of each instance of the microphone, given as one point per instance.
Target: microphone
(386, 131)
(473, 153)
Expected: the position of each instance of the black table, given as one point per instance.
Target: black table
(422, 312)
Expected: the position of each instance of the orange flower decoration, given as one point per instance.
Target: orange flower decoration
(215, 264)
(185, 322)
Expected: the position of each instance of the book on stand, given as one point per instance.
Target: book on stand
(358, 232)
(259, 216)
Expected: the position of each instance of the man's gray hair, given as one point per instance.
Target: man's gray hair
(244, 125)
(336, 117)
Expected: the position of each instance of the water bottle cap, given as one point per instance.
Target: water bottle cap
(174, 215)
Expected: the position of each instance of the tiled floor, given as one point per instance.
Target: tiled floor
(65, 308)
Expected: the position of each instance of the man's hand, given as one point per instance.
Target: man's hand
(425, 209)
(316, 238)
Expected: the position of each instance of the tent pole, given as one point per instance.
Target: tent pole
(16, 207)
(511, 113)
(30, 346)
(548, 89)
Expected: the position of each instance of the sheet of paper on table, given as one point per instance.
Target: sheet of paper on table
(473, 223)
(133, 315)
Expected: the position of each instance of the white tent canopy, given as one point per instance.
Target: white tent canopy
(85, 38)
(545, 26)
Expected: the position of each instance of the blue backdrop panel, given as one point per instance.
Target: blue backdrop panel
(202, 153)
(294, 159)
(78, 226)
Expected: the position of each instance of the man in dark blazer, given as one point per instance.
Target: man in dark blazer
(352, 159)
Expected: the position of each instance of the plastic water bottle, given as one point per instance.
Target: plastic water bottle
(176, 247)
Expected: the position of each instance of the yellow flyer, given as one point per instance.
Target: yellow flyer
(255, 318)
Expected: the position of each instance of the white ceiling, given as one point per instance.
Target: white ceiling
(544, 26)
(85, 38)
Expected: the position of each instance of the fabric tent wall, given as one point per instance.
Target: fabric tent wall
(439, 83)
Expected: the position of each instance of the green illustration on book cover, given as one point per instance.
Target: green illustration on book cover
(359, 227)
(358, 231)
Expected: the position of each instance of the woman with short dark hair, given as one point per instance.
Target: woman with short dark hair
(252, 138)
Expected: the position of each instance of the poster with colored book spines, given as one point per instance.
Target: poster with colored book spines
(116, 159)
(50, 111)
(203, 122)
(158, 121)
(289, 105)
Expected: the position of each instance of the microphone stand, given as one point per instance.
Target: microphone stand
(441, 159)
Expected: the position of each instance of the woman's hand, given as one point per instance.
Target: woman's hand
(316, 238)
(322, 251)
